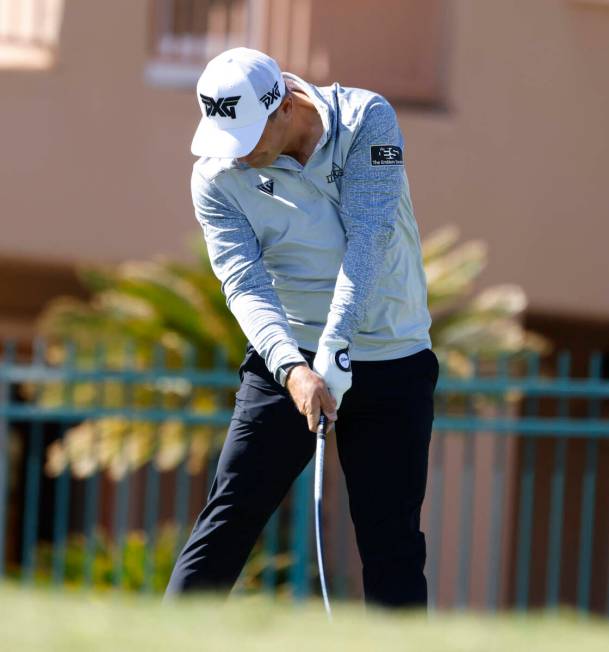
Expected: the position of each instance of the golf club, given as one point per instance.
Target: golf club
(318, 493)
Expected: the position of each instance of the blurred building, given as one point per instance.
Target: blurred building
(504, 108)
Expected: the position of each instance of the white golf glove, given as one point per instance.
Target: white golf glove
(333, 364)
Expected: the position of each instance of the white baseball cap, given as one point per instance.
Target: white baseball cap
(237, 92)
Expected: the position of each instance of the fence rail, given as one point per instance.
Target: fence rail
(518, 519)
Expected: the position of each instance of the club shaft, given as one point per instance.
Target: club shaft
(318, 493)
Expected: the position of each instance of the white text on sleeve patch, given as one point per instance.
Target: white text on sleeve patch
(386, 155)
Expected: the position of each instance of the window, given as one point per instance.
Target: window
(188, 33)
(395, 47)
(29, 31)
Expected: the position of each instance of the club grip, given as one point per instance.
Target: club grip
(321, 426)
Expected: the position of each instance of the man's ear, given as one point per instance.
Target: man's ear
(286, 106)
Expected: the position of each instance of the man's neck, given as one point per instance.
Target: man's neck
(306, 128)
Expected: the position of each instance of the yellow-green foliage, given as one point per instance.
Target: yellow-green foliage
(141, 568)
(104, 558)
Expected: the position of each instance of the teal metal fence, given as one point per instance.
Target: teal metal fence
(105, 460)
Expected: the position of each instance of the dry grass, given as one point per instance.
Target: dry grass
(34, 619)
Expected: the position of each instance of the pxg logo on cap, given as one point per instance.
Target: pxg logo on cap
(268, 98)
(224, 106)
(237, 92)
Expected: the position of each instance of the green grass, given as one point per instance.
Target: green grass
(37, 619)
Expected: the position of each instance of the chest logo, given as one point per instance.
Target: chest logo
(386, 155)
(266, 187)
(337, 171)
(224, 106)
(269, 97)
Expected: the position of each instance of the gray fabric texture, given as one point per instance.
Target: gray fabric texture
(327, 250)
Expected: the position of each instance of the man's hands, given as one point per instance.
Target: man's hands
(333, 364)
(311, 396)
(321, 389)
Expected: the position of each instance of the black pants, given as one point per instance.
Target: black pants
(383, 433)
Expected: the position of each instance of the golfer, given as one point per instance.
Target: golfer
(304, 203)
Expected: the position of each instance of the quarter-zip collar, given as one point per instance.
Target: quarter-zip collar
(326, 113)
(321, 104)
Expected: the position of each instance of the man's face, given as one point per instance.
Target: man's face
(271, 142)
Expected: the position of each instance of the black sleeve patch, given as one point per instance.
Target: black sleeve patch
(386, 155)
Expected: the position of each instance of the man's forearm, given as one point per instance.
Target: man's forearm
(236, 259)
(264, 323)
(356, 281)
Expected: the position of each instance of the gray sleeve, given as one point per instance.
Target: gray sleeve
(236, 258)
(369, 200)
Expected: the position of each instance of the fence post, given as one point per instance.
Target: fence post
(557, 496)
(62, 482)
(151, 508)
(588, 496)
(493, 578)
(301, 508)
(467, 502)
(121, 485)
(182, 492)
(92, 487)
(32, 477)
(527, 495)
(5, 397)
(436, 509)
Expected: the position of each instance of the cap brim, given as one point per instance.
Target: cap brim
(226, 143)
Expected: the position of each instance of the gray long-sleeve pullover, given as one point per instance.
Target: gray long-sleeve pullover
(330, 249)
